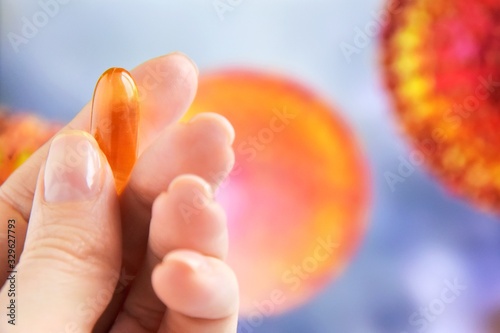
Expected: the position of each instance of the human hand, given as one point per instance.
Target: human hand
(84, 244)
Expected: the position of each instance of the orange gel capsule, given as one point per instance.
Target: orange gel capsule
(115, 122)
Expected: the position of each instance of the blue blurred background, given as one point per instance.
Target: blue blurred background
(420, 239)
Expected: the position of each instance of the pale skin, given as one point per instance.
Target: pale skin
(80, 254)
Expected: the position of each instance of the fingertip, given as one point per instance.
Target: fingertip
(212, 119)
(189, 260)
(186, 57)
(195, 285)
(75, 168)
(192, 183)
(187, 216)
(167, 86)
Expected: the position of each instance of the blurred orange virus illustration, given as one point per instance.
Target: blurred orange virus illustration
(442, 65)
(21, 134)
(297, 196)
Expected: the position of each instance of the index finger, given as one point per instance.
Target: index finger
(167, 86)
(169, 81)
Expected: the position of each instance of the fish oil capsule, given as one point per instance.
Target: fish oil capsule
(115, 122)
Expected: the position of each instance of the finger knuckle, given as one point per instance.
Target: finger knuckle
(69, 247)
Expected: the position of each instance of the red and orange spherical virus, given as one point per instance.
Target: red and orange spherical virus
(20, 136)
(442, 64)
(297, 195)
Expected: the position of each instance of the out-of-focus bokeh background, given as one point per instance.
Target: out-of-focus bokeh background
(428, 262)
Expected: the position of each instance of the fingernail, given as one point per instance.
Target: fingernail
(199, 185)
(193, 260)
(73, 168)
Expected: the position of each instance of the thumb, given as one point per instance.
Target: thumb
(70, 264)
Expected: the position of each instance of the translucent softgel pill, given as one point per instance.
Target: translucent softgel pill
(115, 121)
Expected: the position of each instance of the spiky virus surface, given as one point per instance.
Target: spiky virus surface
(21, 134)
(442, 65)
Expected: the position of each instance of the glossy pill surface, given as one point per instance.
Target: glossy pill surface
(115, 121)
